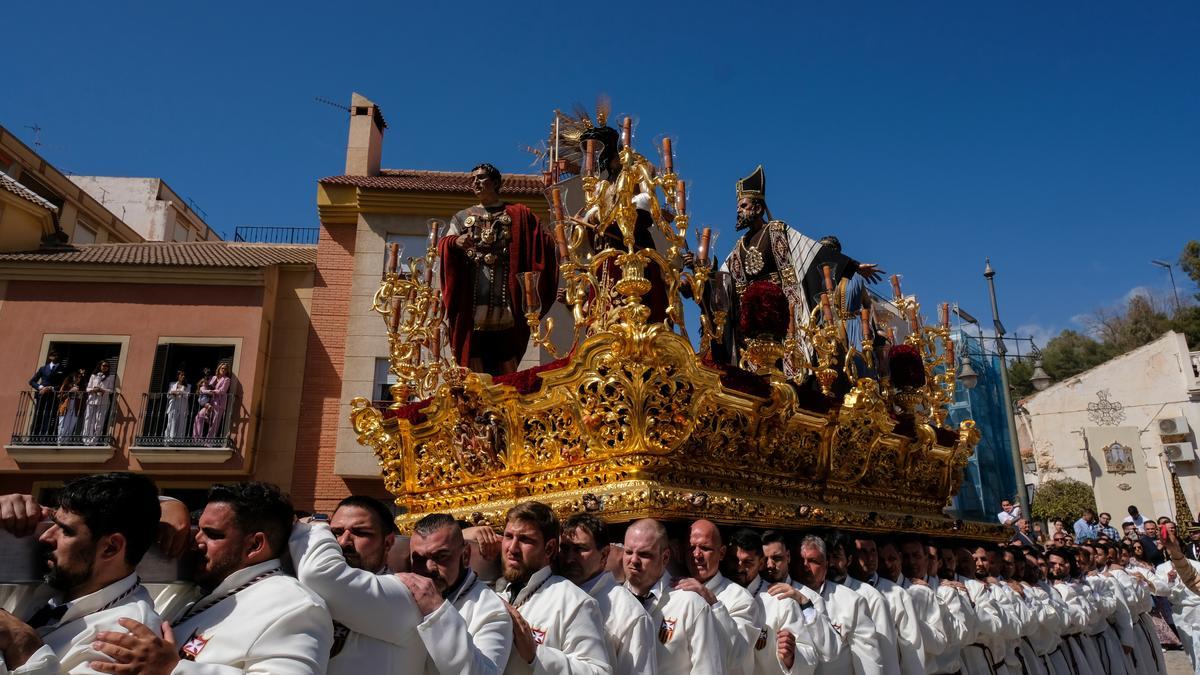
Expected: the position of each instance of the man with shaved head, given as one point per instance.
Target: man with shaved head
(689, 639)
(738, 617)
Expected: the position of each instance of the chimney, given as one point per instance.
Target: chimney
(366, 137)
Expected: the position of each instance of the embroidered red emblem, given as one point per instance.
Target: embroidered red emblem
(539, 636)
(666, 630)
(192, 648)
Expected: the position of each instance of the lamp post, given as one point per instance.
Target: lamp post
(1018, 465)
(1174, 291)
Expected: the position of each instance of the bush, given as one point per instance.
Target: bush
(1064, 499)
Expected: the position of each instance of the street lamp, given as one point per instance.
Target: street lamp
(1174, 291)
(1040, 378)
(967, 376)
(1010, 413)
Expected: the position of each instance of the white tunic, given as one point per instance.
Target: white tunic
(68, 642)
(995, 629)
(375, 616)
(852, 620)
(885, 626)
(566, 625)
(274, 626)
(689, 639)
(786, 614)
(1185, 606)
(470, 633)
(740, 621)
(960, 624)
(632, 638)
(817, 628)
(924, 612)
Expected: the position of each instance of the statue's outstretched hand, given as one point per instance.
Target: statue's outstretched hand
(870, 272)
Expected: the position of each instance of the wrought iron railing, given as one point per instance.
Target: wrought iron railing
(60, 418)
(270, 234)
(188, 420)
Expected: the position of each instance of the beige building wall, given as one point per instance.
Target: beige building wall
(1068, 425)
(149, 206)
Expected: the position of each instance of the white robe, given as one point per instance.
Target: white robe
(1046, 640)
(921, 611)
(1148, 655)
(740, 621)
(1078, 611)
(852, 619)
(375, 615)
(1185, 606)
(566, 625)
(885, 627)
(631, 633)
(810, 626)
(819, 631)
(470, 633)
(274, 627)
(689, 638)
(67, 644)
(986, 654)
(960, 624)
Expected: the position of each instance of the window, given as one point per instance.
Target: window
(66, 414)
(411, 246)
(84, 234)
(40, 188)
(381, 391)
(185, 416)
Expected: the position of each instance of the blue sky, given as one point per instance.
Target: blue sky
(1062, 139)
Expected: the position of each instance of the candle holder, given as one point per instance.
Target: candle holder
(531, 304)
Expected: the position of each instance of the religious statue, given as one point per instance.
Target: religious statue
(485, 250)
(776, 258)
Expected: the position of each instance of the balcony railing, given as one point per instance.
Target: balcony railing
(64, 418)
(170, 420)
(268, 234)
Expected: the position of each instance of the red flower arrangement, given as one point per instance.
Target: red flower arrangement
(907, 366)
(764, 311)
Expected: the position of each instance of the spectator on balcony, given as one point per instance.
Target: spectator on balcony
(203, 403)
(70, 404)
(99, 393)
(45, 382)
(220, 400)
(177, 405)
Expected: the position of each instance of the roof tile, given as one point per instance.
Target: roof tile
(11, 184)
(173, 254)
(436, 181)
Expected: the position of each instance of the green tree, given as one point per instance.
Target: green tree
(1019, 374)
(1071, 353)
(1189, 261)
(1064, 498)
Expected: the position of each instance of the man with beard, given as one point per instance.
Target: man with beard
(102, 527)
(689, 639)
(1010, 595)
(847, 610)
(772, 251)
(986, 655)
(1063, 570)
(738, 617)
(914, 558)
(466, 628)
(959, 620)
(483, 253)
(254, 618)
(1047, 641)
(864, 566)
(581, 559)
(374, 614)
(776, 581)
(557, 628)
(746, 558)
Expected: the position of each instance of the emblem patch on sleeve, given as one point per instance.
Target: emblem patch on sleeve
(666, 630)
(192, 648)
(539, 636)
(762, 640)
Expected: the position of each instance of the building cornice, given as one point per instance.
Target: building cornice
(135, 274)
(341, 204)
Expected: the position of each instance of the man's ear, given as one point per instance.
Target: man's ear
(552, 547)
(389, 540)
(258, 549)
(111, 547)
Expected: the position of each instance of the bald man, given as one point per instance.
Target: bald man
(689, 638)
(737, 615)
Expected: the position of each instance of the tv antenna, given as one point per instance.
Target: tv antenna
(37, 134)
(326, 101)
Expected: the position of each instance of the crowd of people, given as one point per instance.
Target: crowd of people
(345, 594)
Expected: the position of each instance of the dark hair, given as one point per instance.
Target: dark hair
(103, 362)
(1106, 514)
(380, 511)
(1132, 509)
(749, 540)
(52, 353)
(1087, 512)
(834, 243)
(492, 172)
(435, 522)
(258, 507)
(594, 526)
(776, 537)
(539, 515)
(116, 502)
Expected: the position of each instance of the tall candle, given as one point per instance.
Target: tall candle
(827, 307)
(531, 292)
(668, 161)
(865, 315)
(945, 315)
(681, 197)
(556, 198)
(560, 237)
(892, 334)
(437, 342)
(589, 159)
(394, 317)
(828, 269)
(912, 318)
(705, 240)
(896, 286)
(626, 132)
(435, 227)
(393, 255)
